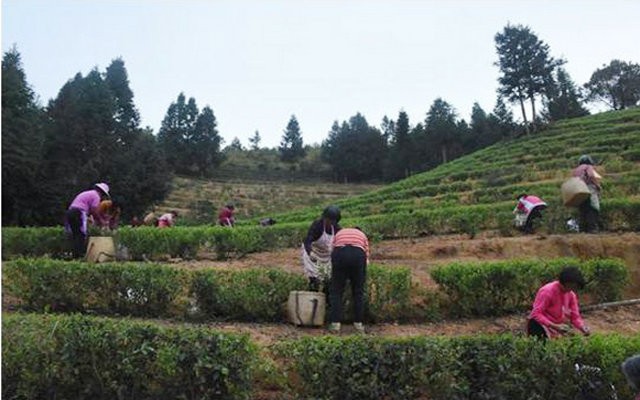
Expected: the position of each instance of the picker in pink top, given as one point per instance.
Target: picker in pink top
(84, 205)
(556, 307)
(529, 210)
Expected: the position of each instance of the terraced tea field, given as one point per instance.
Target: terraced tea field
(197, 312)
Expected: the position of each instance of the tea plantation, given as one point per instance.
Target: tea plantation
(138, 329)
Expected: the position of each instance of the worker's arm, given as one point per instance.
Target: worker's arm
(540, 305)
(314, 233)
(576, 318)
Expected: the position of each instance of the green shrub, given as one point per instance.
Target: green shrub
(149, 290)
(493, 288)
(79, 357)
(154, 290)
(246, 295)
(481, 367)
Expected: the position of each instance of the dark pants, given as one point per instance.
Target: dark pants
(536, 330)
(350, 263)
(588, 217)
(534, 215)
(78, 239)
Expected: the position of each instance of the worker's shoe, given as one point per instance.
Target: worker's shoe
(359, 327)
(334, 327)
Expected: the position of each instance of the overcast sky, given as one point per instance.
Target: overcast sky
(255, 63)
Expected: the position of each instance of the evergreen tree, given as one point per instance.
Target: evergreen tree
(564, 100)
(502, 118)
(355, 150)
(526, 66)
(255, 141)
(441, 128)
(481, 130)
(117, 80)
(291, 146)
(94, 136)
(176, 131)
(616, 84)
(236, 144)
(401, 151)
(22, 144)
(204, 142)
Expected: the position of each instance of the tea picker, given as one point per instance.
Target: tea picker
(85, 205)
(307, 308)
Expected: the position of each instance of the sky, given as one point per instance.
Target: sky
(257, 63)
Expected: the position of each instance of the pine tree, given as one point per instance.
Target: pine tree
(564, 100)
(22, 144)
(291, 146)
(205, 142)
(526, 66)
(255, 141)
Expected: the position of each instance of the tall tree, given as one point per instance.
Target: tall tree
(616, 84)
(22, 141)
(176, 130)
(291, 146)
(526, 66)
(204, 142)
(255, 141)
(564, 98)
(400, 157)
(441, 127)
(90, 140)
(117, 80)
(355, 150)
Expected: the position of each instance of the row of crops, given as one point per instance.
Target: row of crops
(72, 354)
(162, 291)
(621, 214)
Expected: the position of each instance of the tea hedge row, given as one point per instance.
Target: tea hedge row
(481, 367)
(150, 243)
(494, 288)
(155, 290)
(78, 357)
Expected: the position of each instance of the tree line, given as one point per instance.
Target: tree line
(91, 132)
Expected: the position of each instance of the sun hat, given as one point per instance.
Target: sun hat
(103, 187)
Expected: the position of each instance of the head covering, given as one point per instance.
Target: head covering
(103, 187)
(332, 213)
(585, 159)
(230, 206)
(631, 369)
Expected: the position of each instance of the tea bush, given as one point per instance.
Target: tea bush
(479, 367)
(154, 290)
(494, 288)
(80, 357)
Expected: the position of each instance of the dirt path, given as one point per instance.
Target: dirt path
(422, 254)
(622, 320)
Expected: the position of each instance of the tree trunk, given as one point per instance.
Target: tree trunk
(524, 116)
(533, 113)
(443, 150)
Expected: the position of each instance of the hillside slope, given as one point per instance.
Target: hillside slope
(490, 179)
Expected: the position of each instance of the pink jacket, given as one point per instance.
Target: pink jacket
(552, 305)
(527, 203)
(87, 201)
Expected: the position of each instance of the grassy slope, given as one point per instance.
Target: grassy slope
(199, 199)
(537, 164)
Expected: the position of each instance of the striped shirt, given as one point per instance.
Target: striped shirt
(352, 237)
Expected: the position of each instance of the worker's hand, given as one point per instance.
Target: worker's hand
(586, 331)
(561, 328)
